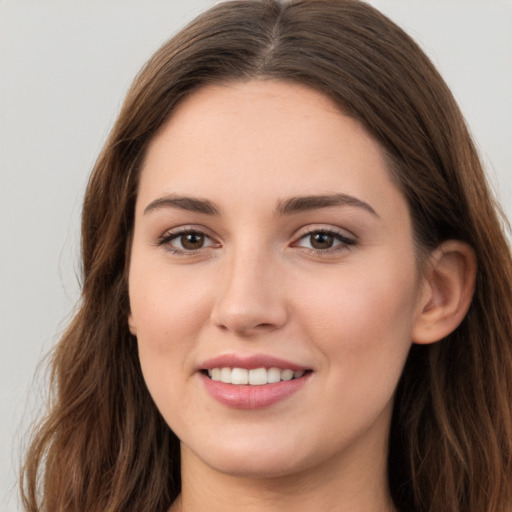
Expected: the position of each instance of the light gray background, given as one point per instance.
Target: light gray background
(64, 68)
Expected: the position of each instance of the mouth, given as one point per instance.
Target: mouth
(254, 376)
(252, 381)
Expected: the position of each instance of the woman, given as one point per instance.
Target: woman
(296, 290)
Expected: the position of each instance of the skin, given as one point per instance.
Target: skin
(257, 286)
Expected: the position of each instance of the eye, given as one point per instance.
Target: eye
(191, 241)
(186, 241)
(324, 241)
(321, 240)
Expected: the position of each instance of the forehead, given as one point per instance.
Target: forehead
(262, 139)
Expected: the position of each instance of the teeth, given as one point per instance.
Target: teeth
(287, 375)
(273, 375)
(238, 376)
(255, 377)
(225, 375)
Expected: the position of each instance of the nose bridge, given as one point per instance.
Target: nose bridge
(251, 296)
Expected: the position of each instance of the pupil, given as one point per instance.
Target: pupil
(192, 241)
(321, 241)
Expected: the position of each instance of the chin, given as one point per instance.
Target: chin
(260, 467)
(266, 459)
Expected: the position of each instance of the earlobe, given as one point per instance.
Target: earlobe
(131, 325)
(449, 283)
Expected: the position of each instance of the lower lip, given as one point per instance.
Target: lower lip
(253, 397)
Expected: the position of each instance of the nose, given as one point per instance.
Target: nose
(251, 298)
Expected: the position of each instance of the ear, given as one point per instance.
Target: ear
(131, 324)
(448, 286)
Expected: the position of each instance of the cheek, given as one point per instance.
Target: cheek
(363, 333)
(165, 307)
(362, 318)
(167, 310)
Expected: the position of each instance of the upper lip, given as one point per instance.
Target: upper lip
(250, 362)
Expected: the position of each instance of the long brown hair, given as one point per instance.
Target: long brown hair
(103, 444)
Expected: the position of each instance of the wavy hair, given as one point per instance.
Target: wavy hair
(103, 445)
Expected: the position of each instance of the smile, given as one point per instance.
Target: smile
(253, 377)
(254, 381)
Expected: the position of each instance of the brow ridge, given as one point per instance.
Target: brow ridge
(312, 202)
(287, 206)
(190, 204)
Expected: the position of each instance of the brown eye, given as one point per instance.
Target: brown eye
(186, 241)
(321, 240)
(325, 241)
(192, 241)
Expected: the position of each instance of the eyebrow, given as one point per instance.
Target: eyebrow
(313, 202)
(285, 207)
(189, 204)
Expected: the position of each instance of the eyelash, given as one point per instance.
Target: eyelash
(345, 242)
(165, 241)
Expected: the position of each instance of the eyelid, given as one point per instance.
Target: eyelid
(324, 228)
(344, 237)
(171, 234)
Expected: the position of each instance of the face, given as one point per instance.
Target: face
(269, 238)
